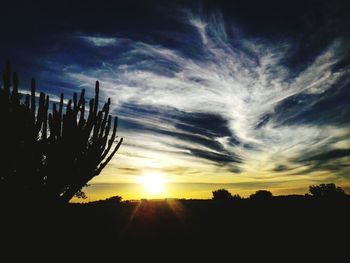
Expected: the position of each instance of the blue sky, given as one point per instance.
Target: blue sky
(214, 94)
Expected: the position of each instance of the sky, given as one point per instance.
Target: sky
(242, 95)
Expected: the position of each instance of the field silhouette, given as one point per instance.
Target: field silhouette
(246, 222)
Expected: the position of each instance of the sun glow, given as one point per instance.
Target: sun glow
(154, 183)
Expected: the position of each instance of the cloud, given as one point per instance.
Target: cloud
(99, 41)
(214, 157)
(333, 154)
(233, 104)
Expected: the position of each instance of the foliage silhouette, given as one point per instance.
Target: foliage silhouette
(221, 194)
(114, 199)
(50, 155)
(327, 191)
(137, 224)
(261, 195)
(236, 197)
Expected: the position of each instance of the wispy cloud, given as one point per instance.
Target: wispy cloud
(234, 107)
(98, 41)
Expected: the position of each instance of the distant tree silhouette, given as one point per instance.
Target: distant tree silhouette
(114, 199)
(328, 191)
(261, 195)
(51, 154)
(221, 194)
(236, 197)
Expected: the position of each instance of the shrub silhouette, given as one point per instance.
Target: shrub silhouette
(114, 199)
(51, 155)
(236, 197)
(329, 191)
(221, 194)
(261, 195)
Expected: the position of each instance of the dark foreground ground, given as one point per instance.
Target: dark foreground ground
(290, 224)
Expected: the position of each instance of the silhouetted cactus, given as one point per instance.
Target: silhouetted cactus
(52, 154)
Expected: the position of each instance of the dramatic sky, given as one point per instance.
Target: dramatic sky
(247, 95)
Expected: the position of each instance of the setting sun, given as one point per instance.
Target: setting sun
(153, 183)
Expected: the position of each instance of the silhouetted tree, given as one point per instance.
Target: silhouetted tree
(236, 197)
(114, 199)
(261, 195)
(329, 191)
(221, 194)
(51, 155)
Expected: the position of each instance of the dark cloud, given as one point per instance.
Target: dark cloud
(333, 154)
(340, 169)
(329, 107)
(281, 168)
(197, 129)
(209, 125)
(195, 139)
(218, 158)
(326, 161)
(234, 169)
(263, 121)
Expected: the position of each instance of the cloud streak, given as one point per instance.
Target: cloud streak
(98, 41)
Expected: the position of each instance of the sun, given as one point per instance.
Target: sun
(153, 183)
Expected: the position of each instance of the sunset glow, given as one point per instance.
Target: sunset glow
(153, 183)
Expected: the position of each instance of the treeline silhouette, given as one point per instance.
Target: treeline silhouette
(323, 191)
(48, 154)
(254, 222)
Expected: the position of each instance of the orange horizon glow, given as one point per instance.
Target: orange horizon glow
(152, 186)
